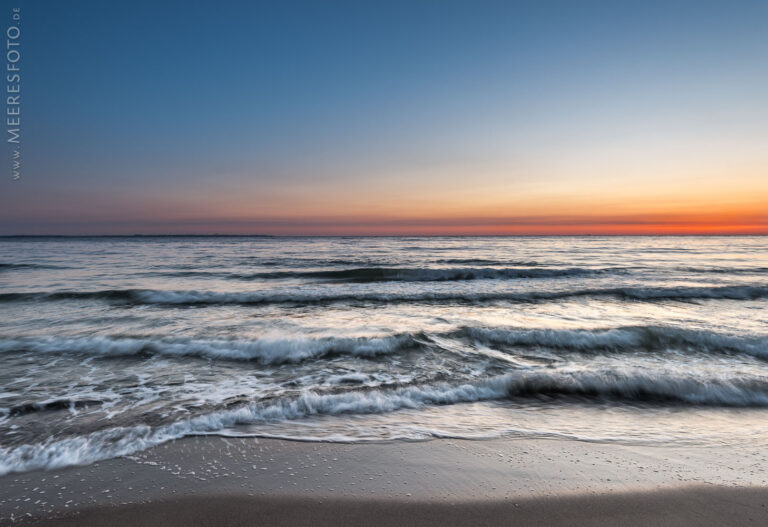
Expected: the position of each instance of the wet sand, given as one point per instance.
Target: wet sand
(695, 506)
(226, 481)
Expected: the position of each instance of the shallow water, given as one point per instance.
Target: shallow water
(112, 345)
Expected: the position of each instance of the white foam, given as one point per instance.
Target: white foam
(609, 385)
(268, 351)
(122, 441)
(630, 338)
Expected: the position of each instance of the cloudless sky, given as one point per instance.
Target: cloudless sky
(363, 117)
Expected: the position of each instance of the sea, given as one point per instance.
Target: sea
(113, 345)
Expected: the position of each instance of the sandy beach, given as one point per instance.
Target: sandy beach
(249, 481)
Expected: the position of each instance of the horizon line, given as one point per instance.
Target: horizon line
(550, 235)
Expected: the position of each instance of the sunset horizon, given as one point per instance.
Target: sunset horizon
(396, 118)
(574, 225)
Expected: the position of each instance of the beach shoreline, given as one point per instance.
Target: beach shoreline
(248, 481)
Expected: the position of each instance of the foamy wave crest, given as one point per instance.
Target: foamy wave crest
(630, 338)
(282, 350)
(192, 297)
(267, 351)
(544, 386)
(122, 441)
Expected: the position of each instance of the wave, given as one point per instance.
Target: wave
(606, 386)
(623, 339)
(292, 350)
(266, 351)
(610, 386)
(193, 297)
(122, 441)
(373, 272)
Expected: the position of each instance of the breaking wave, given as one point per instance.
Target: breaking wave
(608, 386)
(287, 350)
(266, 351)
(622, 339)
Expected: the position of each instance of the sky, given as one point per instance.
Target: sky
(387, 118)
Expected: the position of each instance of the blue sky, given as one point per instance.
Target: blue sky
(239, 116)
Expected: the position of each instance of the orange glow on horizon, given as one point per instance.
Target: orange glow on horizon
(715, 223)
(415, 214)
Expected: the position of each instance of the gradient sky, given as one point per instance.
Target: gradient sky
(414, 117)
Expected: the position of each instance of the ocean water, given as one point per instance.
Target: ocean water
(113, 345)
